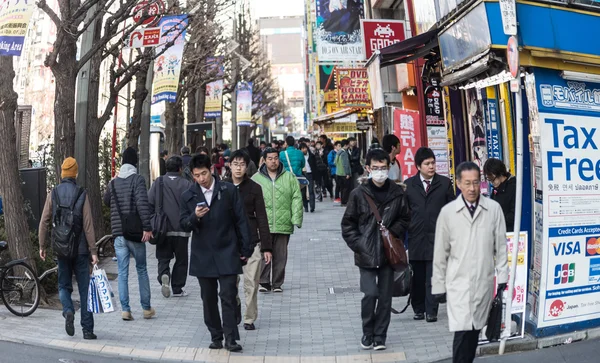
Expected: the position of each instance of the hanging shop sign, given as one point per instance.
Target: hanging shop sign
(338, 34)
(151, 8)
(144, 37)
(244, 104)
(14, 20)
(167, 66)
(508, 10)
(434, 113)
(379, 34)
(341, 127)
(493, 130)
(407, 130)
(353, 87)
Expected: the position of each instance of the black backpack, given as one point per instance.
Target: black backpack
(159, 221)
(66, 226)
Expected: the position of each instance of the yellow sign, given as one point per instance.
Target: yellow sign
(346, 127)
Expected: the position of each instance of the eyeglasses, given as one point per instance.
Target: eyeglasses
(238, 165)
(469, 184)
(378, 168)
(491, 178)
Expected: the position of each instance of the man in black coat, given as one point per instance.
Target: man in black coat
(312, 174)
(214, 211)
(427, 193)
(253, 151)
(361, 232)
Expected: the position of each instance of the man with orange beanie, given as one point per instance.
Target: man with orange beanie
(73, 241)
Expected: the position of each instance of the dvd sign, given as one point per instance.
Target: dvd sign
(378, 34)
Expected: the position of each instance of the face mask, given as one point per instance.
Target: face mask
(379, 175)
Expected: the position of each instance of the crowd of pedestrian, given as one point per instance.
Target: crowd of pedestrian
(240, 208)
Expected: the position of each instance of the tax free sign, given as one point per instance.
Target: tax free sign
(569, 120)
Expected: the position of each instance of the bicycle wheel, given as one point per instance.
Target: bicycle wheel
(20, 289)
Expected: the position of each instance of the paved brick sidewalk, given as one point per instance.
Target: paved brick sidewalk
(306, 323)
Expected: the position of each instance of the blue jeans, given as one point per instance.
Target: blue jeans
(80, 267)
(124, 250)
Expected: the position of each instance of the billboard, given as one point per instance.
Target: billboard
(14, 20)
(338, 34)
(353, 87)
(167, 66)
(244, 104)
(379, 34)
(406, 127)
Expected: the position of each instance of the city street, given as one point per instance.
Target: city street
(317, 317)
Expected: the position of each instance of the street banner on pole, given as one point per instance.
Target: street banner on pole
(14, 20)
(406, 128)
(244, 104)
(338, 32)
(379, 34)
(214, 99)
(167, 66)
(353, 87)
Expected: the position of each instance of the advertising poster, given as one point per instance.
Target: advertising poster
(479, 148)
(14, 20)
(434, 112)
(568, 118)
(379, 34)
(244, 104)
(450, 137)
(167, 66)
(493, 130)
(406, 127)
(214, 99)
(353, 87)
(338, 34)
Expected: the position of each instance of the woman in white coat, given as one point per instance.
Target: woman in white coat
(470, 245)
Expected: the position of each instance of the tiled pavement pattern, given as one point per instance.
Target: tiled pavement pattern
(307, 323)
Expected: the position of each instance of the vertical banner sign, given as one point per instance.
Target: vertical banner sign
(508, 10)
(353, 87)
(338, 34)
(167, 66)
(244, 104)
(437, 134)
(406, 128)
(477, 134)
(450, 135)
(379, 34)
(570, 281)
(494, 144)
(214, 90)
(434, 115)
(14, 20)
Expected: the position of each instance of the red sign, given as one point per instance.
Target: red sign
(148, 37)
(406, 127)
(152, 8)
(512, 54)
(379, 34)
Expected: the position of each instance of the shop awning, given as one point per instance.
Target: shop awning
(408, 50)
(335, 115)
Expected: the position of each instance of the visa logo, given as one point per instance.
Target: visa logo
(564, 273)
(566, 248)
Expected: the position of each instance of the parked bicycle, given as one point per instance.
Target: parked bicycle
(19, 286)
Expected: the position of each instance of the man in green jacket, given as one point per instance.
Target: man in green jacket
(343, 172)
(283, 202)
(292, 158)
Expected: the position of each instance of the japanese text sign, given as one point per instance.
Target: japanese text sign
(406, 127)
(353, 87)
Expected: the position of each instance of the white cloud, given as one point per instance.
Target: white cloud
(274, 8)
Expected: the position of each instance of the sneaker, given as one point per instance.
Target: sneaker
(264, 288)
(183, 293)
(278, 289)
(165, 289)
(337, 201)
(89, 335)
(126, 315)
(149, 314)
(70, 323)
(379, 344)
(366, 342)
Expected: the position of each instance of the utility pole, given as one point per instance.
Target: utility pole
(145, 128)
(234, 76)
(81, 108)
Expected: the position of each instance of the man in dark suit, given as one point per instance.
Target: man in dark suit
(427, 193)
(214, 211)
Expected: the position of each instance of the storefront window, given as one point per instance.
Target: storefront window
(466, 38)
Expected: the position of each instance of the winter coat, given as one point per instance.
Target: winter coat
(359, 225)
(331, 161)
(219, 238)
(467, 252)
(424, 211)
(342, 163)
(254, 205)
(505, 195)
(186, 159)
(296, 160)
(321, 162)
(355, 164)
(283, 200)
(128, 185)
(174, 185)
(254, 153)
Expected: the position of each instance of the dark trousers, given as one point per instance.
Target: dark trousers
(465, 346)
(376, 304)
(80, 267)
(280, 255)
(345, 187)
(226, 288)
(311, 193)
(326, 183)
(337, 186)
(173, 247)
(421, 298)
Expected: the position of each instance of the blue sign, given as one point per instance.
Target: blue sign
(559, 95)
(155, 120)
(493, 143)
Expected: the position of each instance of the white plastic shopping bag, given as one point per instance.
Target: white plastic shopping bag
(105, 293)
(93, 301)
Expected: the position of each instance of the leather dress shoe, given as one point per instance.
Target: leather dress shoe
(419, 316)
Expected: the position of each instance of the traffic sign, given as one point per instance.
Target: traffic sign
(512, 55)
(153, 8)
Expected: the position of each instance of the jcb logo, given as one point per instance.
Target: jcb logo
(564, 273)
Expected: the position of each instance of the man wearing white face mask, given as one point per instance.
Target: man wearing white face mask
(361, 233)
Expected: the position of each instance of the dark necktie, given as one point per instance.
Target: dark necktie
(472, 209)
(428, 182)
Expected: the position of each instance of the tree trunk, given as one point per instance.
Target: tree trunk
(245, 132)
(191, 107)
(200, 103)
(135, 127)
(10, 181)
(174, 128)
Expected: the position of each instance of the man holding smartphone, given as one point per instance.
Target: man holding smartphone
(221, 242)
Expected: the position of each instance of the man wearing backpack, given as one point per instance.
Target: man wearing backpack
(171, 187)
(186, 157)
(73, 241)
(127, 197)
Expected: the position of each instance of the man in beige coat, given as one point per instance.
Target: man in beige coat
(470, 245)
